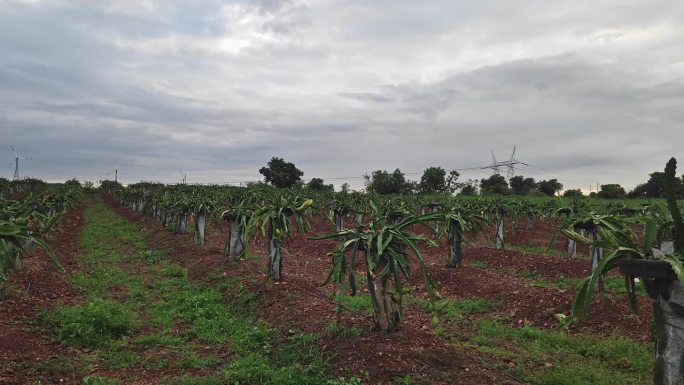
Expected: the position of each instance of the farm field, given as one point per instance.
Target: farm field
(140, 304)
(302, 192)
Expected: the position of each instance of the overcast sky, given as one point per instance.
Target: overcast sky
(589, 91)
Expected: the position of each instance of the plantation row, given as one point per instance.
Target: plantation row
(645, 242)
(26, 221)
(380, 226)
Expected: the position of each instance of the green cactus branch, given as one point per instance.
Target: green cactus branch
(670, 175)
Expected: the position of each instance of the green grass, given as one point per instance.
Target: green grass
(549, 357)
(543, 250)
(99, 381)
(193, 360)
(359, 302)
(118, 356)
(612, 283)
(457, 308)
(152, 256)
(187, 380)
(542, 357)
(343, 331)
(403, 380)
(479, 264)
(297, 362)
(94, 323)
(158, 340)
(101, 279)
(529, 274)
(55, 366)
(451, 311)
(345, 381)
(142, 313)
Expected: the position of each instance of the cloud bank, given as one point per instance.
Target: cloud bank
(589, 92)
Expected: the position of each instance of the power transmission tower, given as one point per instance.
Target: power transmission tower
(16, 163)
(510, 164)
(115, 171)
(184, 176)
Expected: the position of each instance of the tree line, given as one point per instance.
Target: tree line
(437, 180)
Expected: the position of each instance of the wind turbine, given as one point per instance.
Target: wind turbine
(16, 162)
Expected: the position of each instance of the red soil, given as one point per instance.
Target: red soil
(298, 302)
(37, 286)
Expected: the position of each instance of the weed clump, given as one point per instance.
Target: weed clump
(94, 323)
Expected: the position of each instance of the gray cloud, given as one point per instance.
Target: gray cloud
(216, 88)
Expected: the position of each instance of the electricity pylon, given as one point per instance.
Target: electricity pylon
(16, 163)
(510, 164)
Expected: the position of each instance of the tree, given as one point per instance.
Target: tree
(468, 188)
(495, 184)
(611, 191)
(433, 181)
(452, 181)
(654, 187)
(4, 185)
(521, 185)
(549, 187)
(345, 187)
(382, 182)
(317, 184)
(573, 193)
(281, 174)
(72, 183)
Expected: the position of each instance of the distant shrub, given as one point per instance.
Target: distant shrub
(573, 193)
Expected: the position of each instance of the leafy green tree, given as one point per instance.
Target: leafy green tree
(317, 184)
(281, 174)
(655, 186)
(437, 180)
(433, 181)
(4, 186)
(549, 187)
(611, 191)
(382, 182)
(573, 193)
(72, 183)
(495, 184)
(468, 188)
(521, 185)
(452, 181)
